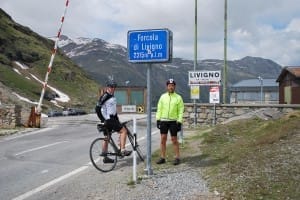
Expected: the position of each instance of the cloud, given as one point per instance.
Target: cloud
(268, 28)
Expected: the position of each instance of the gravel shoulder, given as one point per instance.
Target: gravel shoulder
(177, 183)
(181, 182)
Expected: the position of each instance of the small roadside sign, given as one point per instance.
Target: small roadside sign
(140, 109)
(214, 95)
(153, 45)
(195, 92)
(129, 108)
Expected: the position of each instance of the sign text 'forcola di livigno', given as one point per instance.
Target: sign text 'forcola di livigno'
(153, 45)
(204, 77)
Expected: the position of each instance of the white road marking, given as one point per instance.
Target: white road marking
(61, 178)
(53, 182)
(19, 135)
(44, 171)
(41, 147)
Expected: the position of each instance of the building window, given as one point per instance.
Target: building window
(137, 97)
(121, 96)
(248, 96)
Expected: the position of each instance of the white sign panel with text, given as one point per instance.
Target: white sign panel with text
(129, 108)
(205, 78)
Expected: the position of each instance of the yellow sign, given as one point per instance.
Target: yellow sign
(195, 92)
(140, 109)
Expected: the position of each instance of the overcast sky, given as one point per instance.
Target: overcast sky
(260, 28)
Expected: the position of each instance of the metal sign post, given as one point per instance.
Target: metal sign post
(149, 116)
(214, 97)
(195, 94)
(149, 46)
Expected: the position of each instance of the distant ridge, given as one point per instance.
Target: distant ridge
(101, 59)
(97, 60)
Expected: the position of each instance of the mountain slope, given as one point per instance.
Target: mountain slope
(24, 59)
(101, 59)
(97, 61)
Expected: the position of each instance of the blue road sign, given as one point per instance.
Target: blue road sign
(154, 45)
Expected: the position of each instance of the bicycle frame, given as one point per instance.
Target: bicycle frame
(110, 140)
(113, 150)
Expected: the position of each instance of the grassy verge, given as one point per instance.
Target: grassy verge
(247, 159)
(254, 159)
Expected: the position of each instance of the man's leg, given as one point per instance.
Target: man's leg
(123, 135)
(106, 159)
(176, 146)
(163, 142)
(104, 146)
(173, 130)
(105, 143)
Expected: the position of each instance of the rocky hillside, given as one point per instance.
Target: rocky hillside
(24, 59)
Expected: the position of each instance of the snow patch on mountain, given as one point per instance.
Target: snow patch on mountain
(23, 66)
(62, 43)
(82, 41)
(62, 97)
(24, 99)
(16, 70)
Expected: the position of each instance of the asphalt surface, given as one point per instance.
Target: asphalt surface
(37, 163)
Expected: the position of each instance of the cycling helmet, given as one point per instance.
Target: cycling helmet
(111, 83)
(170, 81)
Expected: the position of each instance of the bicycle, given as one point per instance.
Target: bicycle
(113, 151)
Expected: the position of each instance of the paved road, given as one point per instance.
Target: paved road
(35, 162)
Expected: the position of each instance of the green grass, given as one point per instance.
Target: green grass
(22, 85)
(22, 45)
(246, 159)
(257, 159)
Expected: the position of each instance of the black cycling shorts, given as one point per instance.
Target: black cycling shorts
(113, 124)
(166, 126)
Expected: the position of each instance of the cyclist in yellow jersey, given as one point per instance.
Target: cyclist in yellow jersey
(169, 115)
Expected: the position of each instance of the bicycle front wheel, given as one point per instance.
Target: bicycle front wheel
(103, 161)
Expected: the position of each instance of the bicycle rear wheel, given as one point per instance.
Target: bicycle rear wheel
(137, 148)
(104, 162)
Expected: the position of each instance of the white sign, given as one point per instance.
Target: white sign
(204, 77)
(128, 108)
(214, 95)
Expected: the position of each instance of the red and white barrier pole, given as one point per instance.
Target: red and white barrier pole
(39, 107)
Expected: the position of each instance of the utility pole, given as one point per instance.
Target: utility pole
(225, 54)
(195, 60)
(261, 88)
(195, 35)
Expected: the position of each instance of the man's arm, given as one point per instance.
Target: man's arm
(158, 113)
(158, 109)
(180, 110)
